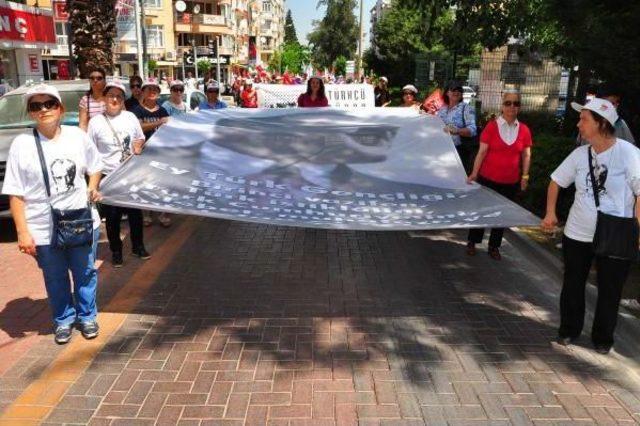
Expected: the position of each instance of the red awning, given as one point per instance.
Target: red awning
(26, 27)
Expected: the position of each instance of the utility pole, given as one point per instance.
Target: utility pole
(139, 39)
(144, 42)
(218, 60)
(361, 39)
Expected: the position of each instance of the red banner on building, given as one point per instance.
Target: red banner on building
(24, 26)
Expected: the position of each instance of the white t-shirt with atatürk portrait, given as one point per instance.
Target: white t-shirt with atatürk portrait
(68, 160)
(617, 175)
(114, 150)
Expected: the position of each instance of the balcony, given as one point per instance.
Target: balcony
(202, 23)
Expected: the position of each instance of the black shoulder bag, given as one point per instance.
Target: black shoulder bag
(71, 228)
(615, 236)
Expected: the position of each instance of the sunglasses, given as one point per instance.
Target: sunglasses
(213, 91)
(177, 89)
(47, 105)
(135, 86)
(511, 103)
(408, 93)
(96, 78)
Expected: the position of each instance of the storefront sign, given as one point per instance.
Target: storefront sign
(24, 26)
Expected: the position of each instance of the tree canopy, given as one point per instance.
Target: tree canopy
(290, 35)
(336, 34)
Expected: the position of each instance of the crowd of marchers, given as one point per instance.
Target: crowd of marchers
(54, 174)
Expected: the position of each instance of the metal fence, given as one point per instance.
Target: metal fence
(543, 84)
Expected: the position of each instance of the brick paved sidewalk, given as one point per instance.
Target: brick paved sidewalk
(250, 324)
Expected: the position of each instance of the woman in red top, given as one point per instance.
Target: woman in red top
(249, 95)
(502, 164)
(315, 96)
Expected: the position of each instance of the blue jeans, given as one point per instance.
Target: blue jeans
(55, 265)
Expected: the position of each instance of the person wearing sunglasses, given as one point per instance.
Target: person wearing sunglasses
(67, 157)
(175, 104)
(135, 84)
(213, 98)
(117, 135)
(92, 103)
(410, 97)
(502, 164)
(460, 122)
(606, 173)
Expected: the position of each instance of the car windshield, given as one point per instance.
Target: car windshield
(14, 114)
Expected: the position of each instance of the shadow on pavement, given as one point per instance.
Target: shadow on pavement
(378, 303)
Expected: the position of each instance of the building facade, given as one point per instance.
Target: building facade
(24, 32)
(376, 13)
(247, 33)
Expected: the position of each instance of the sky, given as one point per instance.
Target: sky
(305, 11)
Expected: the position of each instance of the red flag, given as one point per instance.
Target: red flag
(433, 102)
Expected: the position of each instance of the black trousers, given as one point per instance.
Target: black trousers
(611, 276)
(113, 216)
(507, 190)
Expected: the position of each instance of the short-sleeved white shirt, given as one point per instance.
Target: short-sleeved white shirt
(619, 171)
(126, 125)
(68, 159)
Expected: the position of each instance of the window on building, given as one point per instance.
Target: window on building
(61, 28)
(155, 36)
(153, 3)
(266, 6)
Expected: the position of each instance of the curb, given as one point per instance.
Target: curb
(627, 346)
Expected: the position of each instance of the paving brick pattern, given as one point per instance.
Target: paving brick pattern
(255, 325)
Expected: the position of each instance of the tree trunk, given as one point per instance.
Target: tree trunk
(93, 24)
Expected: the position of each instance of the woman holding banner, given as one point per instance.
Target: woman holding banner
(460, 121)
(602, 225)
(45, 181)
(315, 96)
(502, 164)
(117, 134)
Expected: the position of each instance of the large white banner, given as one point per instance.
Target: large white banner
(339, 95)
(369, 169)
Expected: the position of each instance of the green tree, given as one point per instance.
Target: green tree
(204, 65)
(336, 34)
(290, 35)
(292, 57)
(93, 25)
(398, 39)
(340, 65)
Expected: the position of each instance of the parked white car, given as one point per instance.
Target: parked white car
(192, 98)
(468, 94)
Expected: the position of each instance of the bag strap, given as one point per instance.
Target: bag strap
(596, 196)
(43, 164)
(115, 135)
(464, 121)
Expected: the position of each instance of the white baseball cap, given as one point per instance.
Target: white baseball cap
(176, 83)
(115, 83)
(602, 107)
(385, 79)
(249, 81)
(150, 82)
(410, 88)
(213, 86)
(41, 89)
